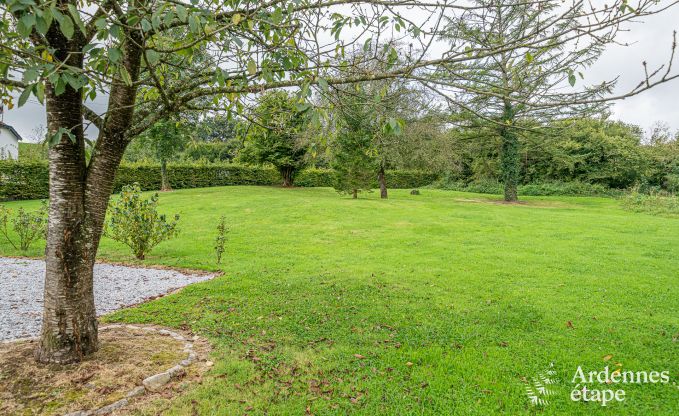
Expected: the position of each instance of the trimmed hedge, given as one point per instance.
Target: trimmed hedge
(23, 180)
(19, 180)
(194, 176)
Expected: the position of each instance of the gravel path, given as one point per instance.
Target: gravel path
(21, 286)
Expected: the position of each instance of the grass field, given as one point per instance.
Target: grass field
(442, 303)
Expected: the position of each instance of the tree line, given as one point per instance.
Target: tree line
(356, 144)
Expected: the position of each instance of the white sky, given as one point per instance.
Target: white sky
(650, 38)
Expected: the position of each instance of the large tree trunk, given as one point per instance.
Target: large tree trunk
(510, 165)
(510, 160)
(288, 175)
(69, 327)
(354, 194)
(383, 183)
(78, 200)
(164, 180)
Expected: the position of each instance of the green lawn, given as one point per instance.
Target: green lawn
(442, 303)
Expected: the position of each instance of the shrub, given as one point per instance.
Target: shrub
(135, 221)
(567, 189)
(33, 152)
(653, 203)
(28, 226)
(490, 186)
(483, 186)
(671, 183)
(220, 240)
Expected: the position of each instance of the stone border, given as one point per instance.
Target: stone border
(152, 383)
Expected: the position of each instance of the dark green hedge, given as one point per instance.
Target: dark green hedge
(194, 176)
(20, 180)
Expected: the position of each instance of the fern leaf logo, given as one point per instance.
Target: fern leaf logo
(539, 388)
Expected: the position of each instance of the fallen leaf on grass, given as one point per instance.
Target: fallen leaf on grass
(608, 357)
(359, 356)
(569, 324)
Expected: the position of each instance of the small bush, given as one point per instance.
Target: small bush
(567, 189)
(671, 183)
(33, 152)
(28, 226)
(482, 186)
(135, 221)
(653, 203)
(491, 186)
(220, 240)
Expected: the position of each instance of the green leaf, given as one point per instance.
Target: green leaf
(100, 23)
(572, 79)
(59, 87)
(25, 25)
(125, 76)
(194, 24)
(114, 54)
(76, 17)
(146, 25)
(252, 67)
(367, 44)
(323, 84)
(56, 137)
(182, 13)
(24, 95)
(66, 25)
(30, 75)
(529, 57)
(152, 56)
(42, 25)
(40, 92)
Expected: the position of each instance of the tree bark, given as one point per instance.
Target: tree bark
(287, 173)
(354, 194)
(78, 200)
(164, 180)
(383, 183)
(510, 160)
(69, 327)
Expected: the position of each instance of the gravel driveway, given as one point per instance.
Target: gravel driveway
(21, 286)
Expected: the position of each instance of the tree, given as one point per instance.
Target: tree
(376, 109)
(513, 89)
(277, 136)
(140, 55)
(506, 90)
(355, 161)
(166, 138)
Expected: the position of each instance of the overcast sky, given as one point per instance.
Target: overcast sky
(651, 39)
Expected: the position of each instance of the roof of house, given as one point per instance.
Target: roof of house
(11, 130)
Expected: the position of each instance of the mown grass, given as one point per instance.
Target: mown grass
(442, 303)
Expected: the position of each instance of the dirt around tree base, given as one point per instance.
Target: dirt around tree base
(127, 356)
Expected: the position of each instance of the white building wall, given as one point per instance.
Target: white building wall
(9, 145)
